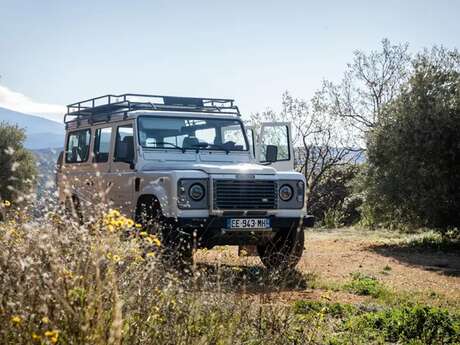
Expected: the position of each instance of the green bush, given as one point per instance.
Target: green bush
(17, 165)
(413, 155)
(338, 310)
(414, 324)
(337, 198)
(365, 286)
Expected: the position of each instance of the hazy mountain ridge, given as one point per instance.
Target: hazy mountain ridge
(41, 133)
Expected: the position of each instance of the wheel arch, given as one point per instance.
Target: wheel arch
(146, 198)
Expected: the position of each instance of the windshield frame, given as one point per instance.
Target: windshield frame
(197, 149)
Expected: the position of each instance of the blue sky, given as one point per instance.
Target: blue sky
(56, 52)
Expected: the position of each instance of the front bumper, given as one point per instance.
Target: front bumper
(211, 231)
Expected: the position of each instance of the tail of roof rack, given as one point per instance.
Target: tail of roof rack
(102, 107)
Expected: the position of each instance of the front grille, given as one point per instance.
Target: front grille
(252, 194)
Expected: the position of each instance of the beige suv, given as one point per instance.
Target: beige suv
(189, 169)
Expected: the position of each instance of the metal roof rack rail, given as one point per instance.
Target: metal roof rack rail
(101, 108)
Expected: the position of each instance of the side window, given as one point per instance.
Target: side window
(77, 150)
(124, 145)
(277, 136)
(102, 144)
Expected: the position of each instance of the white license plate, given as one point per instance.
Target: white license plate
(248, 223)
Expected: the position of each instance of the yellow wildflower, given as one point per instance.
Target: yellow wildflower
(116, 258)
(6, 203)
(35, 336)
(114, 213)
(143, 233)
(16, 319)
(151, 255)
(138, 225)
(52, 335)
(45, 320)
(129, 223)
(155, 240)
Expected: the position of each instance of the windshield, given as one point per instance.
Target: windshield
(191, 133)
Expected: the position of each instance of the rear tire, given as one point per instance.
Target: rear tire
(73, 210)
(284, 250)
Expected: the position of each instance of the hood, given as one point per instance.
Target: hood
(221, 168)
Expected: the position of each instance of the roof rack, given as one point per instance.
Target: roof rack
(100, 108)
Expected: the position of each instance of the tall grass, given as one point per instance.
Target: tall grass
(65, 283)
(105, 283)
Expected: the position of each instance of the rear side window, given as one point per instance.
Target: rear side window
(124, 146)
(77, 150)
(102, 144)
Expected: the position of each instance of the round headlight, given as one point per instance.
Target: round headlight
(286, 192)
(196, 191)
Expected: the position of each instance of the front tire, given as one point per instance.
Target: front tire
(177, 250)
(284, 250)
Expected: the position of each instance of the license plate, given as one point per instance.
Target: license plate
(248, 223)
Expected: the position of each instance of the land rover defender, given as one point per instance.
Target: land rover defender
(189, 169)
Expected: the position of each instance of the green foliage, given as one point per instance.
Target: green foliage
(338, 310)
(336, 200)
(407, 324)
(414, 154)
(17, 165)
(410, 324)
(365, 286)
(445, 242)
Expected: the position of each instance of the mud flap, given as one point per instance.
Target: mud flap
(308, 222)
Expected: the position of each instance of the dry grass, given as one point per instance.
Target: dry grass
(70, 284)
(104, 283)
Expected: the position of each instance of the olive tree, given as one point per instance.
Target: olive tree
(414, 154)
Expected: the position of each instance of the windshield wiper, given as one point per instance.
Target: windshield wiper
(199, 146)
(173, 145)
(223, 147)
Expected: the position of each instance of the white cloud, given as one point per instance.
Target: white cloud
(17, 101)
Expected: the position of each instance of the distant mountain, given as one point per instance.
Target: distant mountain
(41, 133)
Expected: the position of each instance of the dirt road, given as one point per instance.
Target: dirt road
(332, 255)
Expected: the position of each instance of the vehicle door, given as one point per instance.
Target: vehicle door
(101, 158)
(76, 170)
(275, 137)
(120, 183)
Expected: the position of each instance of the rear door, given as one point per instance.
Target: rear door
(76, 178)
(277, 134)
(120, 180)
(101, 158)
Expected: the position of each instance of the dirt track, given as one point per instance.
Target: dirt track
(333, 254)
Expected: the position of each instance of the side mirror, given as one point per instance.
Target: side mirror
(271, 153)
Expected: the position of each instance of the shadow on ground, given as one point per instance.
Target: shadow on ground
(444, 260)
(251, 279)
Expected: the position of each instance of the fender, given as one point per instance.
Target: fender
(160, 188)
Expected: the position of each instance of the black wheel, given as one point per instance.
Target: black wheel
(149, 215)
(284, 250)
(177, 249)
